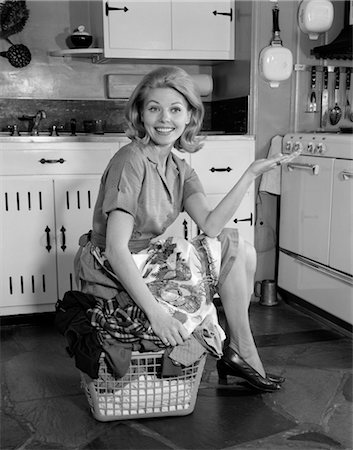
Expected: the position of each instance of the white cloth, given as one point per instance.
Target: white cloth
(271, 181)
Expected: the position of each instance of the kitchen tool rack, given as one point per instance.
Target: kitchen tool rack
(141, 392)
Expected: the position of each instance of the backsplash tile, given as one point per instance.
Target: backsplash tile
(226, 115)
(230, 115)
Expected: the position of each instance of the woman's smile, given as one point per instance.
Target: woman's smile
(165, 114)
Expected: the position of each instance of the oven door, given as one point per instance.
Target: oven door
(341, 249)
(306, 202)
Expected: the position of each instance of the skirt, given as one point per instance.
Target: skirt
(182, 275)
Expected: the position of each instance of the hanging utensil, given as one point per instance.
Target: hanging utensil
(13, 17)
(336, 111)
(347, 110)
(312, 98)
(275, 61)
(18, 55)
(324, 98)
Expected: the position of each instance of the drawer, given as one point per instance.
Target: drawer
(219, 165)
(54, 161)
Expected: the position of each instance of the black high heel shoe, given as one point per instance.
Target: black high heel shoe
(233, 364)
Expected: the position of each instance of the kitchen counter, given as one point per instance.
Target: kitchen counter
(107, 137)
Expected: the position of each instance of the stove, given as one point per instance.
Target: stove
(316, 222)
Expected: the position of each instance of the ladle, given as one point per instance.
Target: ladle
(336, 112)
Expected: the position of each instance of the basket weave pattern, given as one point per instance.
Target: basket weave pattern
(141, 393)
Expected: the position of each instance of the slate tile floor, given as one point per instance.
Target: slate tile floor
(43, 407)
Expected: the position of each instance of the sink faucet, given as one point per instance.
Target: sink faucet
(37, 118)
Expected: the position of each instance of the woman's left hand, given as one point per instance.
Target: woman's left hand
(260, 166)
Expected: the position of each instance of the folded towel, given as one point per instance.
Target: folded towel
(271, 181)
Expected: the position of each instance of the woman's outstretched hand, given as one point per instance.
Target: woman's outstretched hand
(169, 330)
(260, 166)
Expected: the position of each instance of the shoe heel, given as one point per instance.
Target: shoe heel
(222, 372)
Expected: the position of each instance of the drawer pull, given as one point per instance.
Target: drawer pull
(47, 231)
(221, 169)
(52, 161)
(248, 219)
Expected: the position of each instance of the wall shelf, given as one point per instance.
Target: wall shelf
(78, 52)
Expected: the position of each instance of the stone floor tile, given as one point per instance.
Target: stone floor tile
(126, 435)
(13, 433)
(307, 393)
(34, 375)
(222, 418)
(65, 421)
(329, 355)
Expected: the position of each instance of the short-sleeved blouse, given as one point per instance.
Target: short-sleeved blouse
(135, 182)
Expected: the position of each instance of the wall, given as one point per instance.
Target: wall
(49, 25)
(64, 87)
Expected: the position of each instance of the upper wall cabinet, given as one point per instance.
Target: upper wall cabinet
(166, 29)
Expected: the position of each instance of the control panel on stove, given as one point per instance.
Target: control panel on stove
(319, 144)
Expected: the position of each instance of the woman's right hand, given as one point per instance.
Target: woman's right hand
(169, 330)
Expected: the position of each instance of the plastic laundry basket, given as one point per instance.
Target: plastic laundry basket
(141, 393)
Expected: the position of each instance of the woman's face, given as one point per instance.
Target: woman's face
(165, 114)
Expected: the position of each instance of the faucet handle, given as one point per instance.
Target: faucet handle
(14, 130)
(54, 130)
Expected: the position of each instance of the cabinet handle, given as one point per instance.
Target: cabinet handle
(47, 231)
(63, 240)
(185, 225)
(110, 8)
(248, 219)
(221, 169)
(230, 14)
(52, 161)
(346, 175)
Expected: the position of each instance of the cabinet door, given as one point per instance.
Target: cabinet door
(28, 262)
(74, 204)
(141, 26)
(180, 228)
(202, 25)
(243, 219)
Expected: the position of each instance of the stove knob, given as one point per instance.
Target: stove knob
(321, 148)
(311, 147)
(298, 146)
(288, 147)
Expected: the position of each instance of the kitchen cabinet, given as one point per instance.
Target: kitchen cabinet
(47, 203)
(170, 29)
(219, 165)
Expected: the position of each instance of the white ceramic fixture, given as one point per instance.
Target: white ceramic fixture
(315, 17)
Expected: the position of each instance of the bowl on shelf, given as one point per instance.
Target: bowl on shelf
(80, 38)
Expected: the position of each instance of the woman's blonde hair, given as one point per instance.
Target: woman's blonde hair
(167, 77)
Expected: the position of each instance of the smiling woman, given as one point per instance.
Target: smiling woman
(166, 286)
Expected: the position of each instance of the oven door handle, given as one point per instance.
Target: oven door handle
(346, 175)
(314, 168)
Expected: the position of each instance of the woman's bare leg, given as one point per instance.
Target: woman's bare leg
(235, 293)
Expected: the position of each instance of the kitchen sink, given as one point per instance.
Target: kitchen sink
(63, 137)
